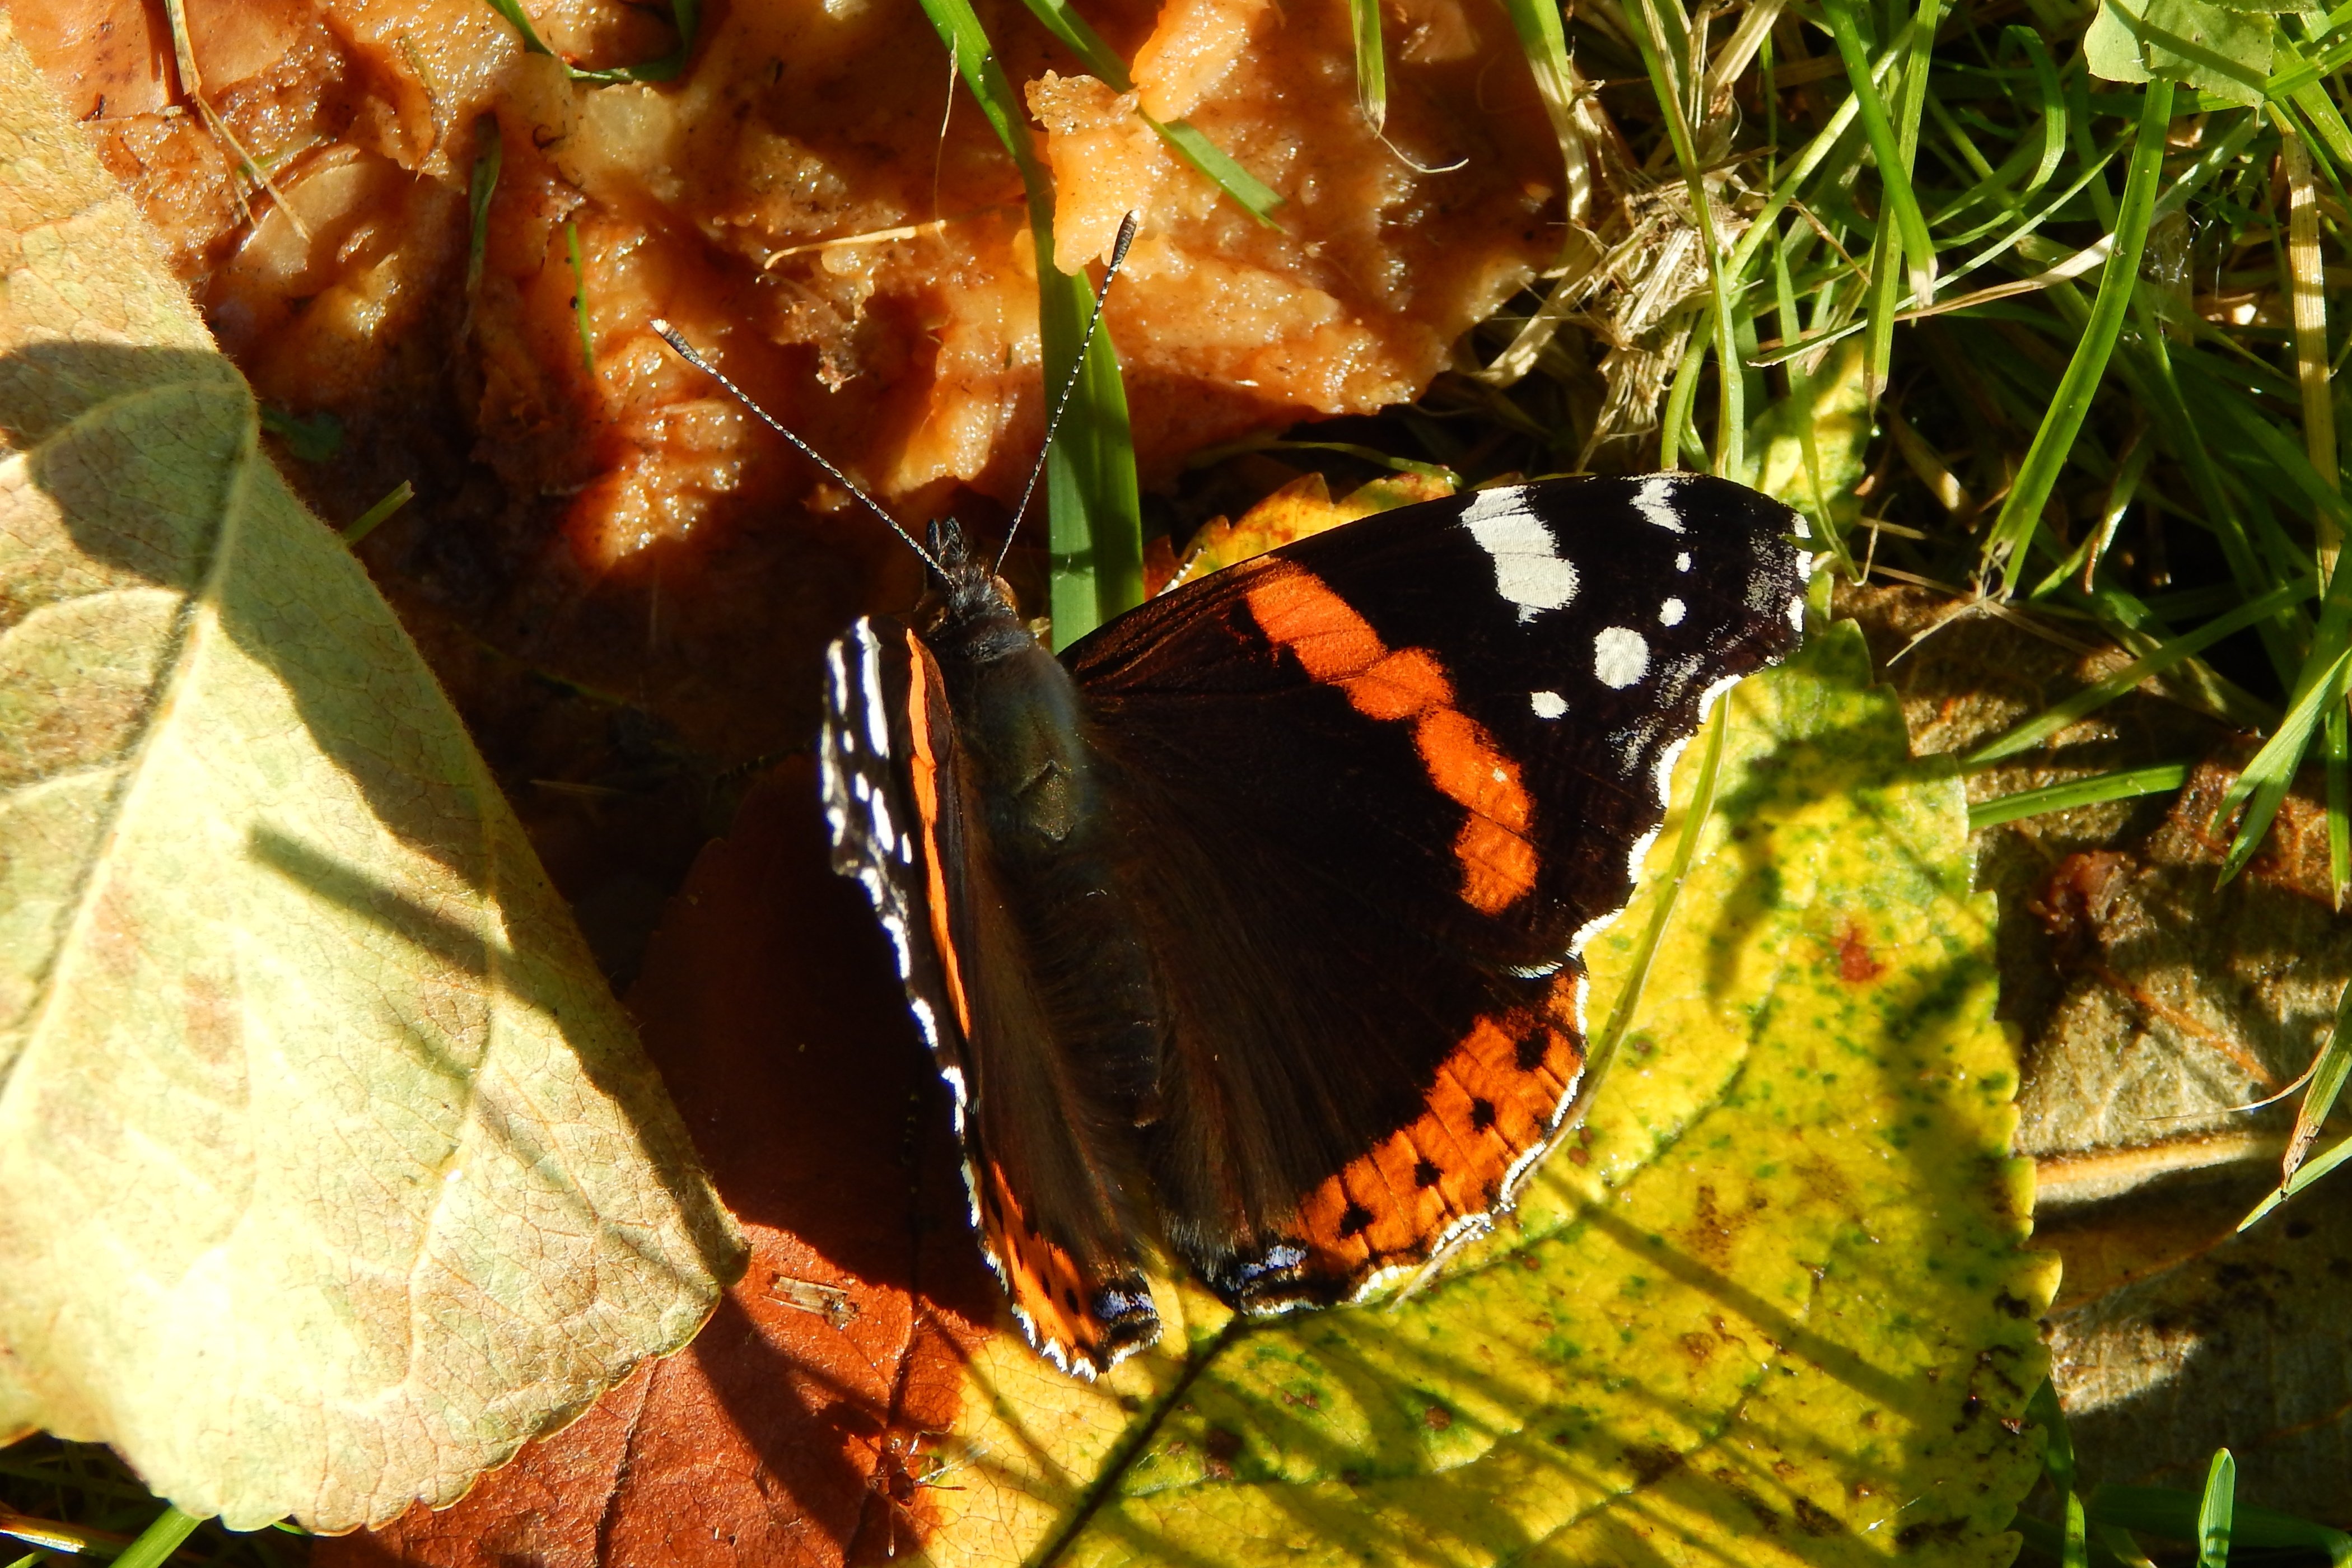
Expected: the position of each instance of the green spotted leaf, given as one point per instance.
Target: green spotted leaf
(1772, 1305)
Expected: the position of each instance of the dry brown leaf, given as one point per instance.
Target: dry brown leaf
(797, 1428)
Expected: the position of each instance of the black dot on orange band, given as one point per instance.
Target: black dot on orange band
(1424, 1173)
(1069, 1299)
(1353, 1222)
(1482, 1114)
(1530, 1052)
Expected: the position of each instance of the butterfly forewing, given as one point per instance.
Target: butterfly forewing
(1392, 777)
(1046, 1192)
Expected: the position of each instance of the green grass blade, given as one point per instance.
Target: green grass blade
(489, 155)
(1095, 505)
(2118, 1545)
(2021, 513)
(2339, 804)
(1674, 419)
(314, 438)
(1080, 38)
(1651, 36)
(2057, 1444)
(1221, 169)
(1802, 168)
(2328, 1078)
(1372, 63)
(1884, 304)
(2213, 1511)
(2325, 120)
(1694, 827)
(1544, 44)
(685, 15)
(159, 1541)
(2291, 461)
(2176, 1515)
(519, 20)
(2121, 489)
(1218, 166)
(1893, 169)
(2150, 369)
(366, 523)
(2310, 1170)
(2319, 1097)
(2262, 786)
(580, 297)
(2054, 109)
(2057, 716)
(975, 61)
(2124, 785)
(1885, 300)
(1094, 528)
(2298, 81)
(2077, 1551)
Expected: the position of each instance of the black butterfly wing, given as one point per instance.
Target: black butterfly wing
(1391, 778)
(1042, 1161)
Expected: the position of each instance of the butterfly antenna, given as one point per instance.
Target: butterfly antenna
(1078, 368)
(685, 350)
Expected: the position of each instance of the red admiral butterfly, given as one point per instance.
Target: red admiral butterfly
(1257, 913)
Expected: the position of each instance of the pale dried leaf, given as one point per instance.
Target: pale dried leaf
(329, 1171)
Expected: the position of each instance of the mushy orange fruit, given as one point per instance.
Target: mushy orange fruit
(816, 202)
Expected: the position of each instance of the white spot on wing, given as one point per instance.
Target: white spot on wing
(1620, 657)
(869, 674)
(1528, 569)
(1547, 704)
(839, 671)
(1682, 562)
(837, 805)
(1654, 499)
(1670, 614)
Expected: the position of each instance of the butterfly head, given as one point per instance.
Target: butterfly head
(968, 603)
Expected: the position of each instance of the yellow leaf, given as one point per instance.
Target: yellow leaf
(1772, 1306)
(1298, 510)
(329, 1171)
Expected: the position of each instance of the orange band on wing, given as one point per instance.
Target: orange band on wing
(1298, 611)
(1489, 1102)
(1044, 1280)
(924, 767)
